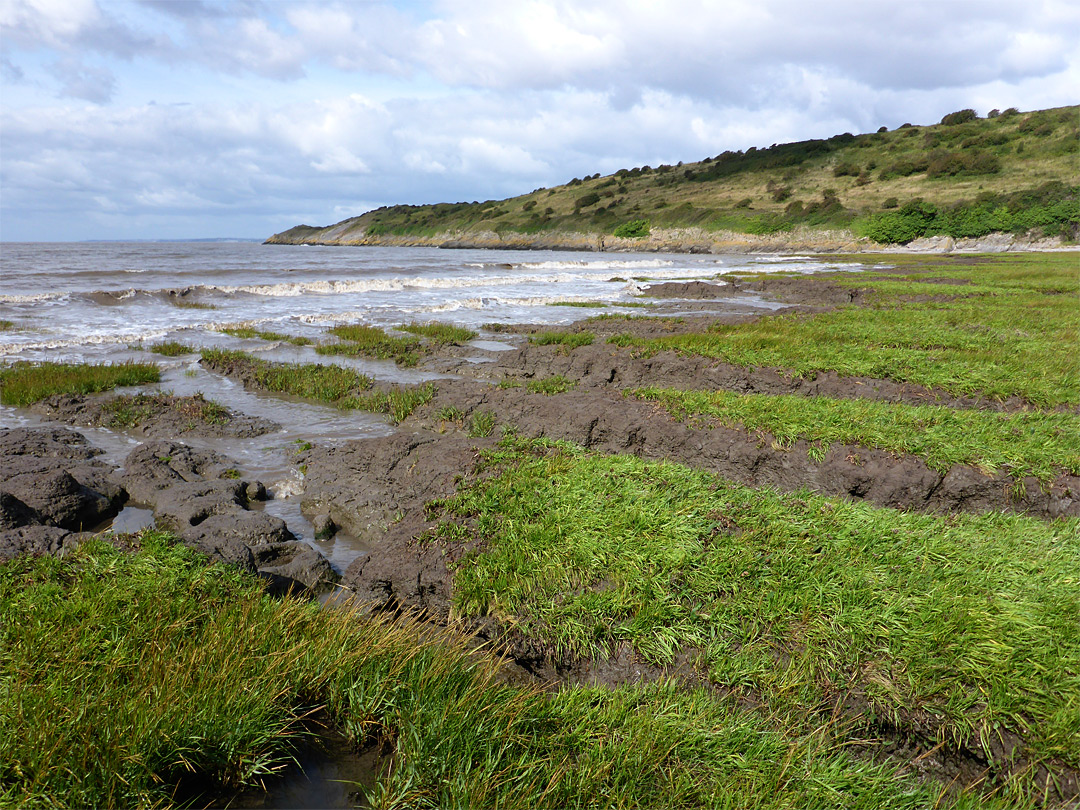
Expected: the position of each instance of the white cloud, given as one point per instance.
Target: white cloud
(307, 110)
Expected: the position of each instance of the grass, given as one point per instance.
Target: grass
(6, 325)
(1003, 339)
(371, 341)
(1025, 443)
(23, 384)
(960, 627)
(122, 676)
(582, 304)
(567, 340)
(170, 348)
(248, 332)
(341, 387)
(556, 384)
(132, 411)
(179, 303)
(440, 333)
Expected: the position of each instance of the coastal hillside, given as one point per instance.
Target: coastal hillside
(964, 178)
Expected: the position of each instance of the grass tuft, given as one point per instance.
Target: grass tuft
(440, 333)
(341, 387)
(23, 384)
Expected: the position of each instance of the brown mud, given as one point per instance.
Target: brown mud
(154, 416)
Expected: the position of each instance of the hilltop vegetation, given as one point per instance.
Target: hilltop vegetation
(964, 177)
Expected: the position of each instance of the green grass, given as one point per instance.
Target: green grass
(248, 332)
(179, 303)
(582, 304)
(556, 384)
(170, 348)
(1002, 339)
(568, 340)
(6, 325)
(22, 384)
(958, 626)
(132, 411)
(371, 341)
(125, 675)
(1024, 443)
(440, 333)
(341, 387)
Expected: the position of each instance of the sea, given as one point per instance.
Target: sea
(107, 302)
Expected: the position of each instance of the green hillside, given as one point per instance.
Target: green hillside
(963, 177)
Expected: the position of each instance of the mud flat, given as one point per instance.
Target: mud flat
(874, 547)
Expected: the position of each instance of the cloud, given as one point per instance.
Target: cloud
(78, 80)
(299, 111)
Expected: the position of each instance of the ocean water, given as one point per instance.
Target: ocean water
(79, 301)
(107, 301)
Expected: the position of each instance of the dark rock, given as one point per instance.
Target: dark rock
(154, 466)
(32, 540)
(294, 566)
(324, 526)
(53, 472)
(191, 502)
(15, 513)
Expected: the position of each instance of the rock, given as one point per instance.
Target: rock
(54, 473)
(154, 466)
(324, 526)
(294, 566)
(32, 540)
(219, 545)
(15, 513)
(192, 502)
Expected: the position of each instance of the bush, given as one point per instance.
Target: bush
(951, 164)
(634, 229)
(891, 202)
(585, 200)
(959, 117)
(910, 222)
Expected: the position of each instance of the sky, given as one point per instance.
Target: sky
(141, 119)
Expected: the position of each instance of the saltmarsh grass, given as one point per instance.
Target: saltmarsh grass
(371, 341)
(132, 411)
(1006, 338)
(170, 348)
(1022, 443)
(440, 333)
(22, 384)
(340, 387)
(248, 332)
(556, 384)
(963, 626)
(126, 675)
(568, 340)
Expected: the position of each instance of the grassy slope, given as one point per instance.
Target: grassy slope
(750, 192)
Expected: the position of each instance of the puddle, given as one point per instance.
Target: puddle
(330, 773)
(131, 519)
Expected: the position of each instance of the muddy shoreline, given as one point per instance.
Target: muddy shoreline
(54, 489)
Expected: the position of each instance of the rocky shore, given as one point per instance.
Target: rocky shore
(664, 240)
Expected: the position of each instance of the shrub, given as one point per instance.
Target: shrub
(959, 117)
(845, 169)
(891, 202)
(585, 200)
(910, 222)
(634, 229)
(745, 202)
(951, 164)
